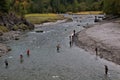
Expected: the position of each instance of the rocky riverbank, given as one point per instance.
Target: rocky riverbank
(104, 36)
(11, 27)
(16, 30)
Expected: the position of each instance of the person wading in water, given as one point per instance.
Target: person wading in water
(6, 63)
(70, 44)
(106, 69)
(96, 51)
(58, 48)
(28, 52)
(74, 32)
(21, 57)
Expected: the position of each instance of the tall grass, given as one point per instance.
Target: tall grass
(41, 18)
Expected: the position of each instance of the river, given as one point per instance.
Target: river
(44, 63)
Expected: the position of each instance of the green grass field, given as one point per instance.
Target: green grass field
(42, 18)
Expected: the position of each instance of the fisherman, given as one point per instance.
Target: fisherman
(74, 32)
(21, 56)
(28, 52)
(106, 69)
(58, 48)
(6, 63)
(70, 43)
(96, 51)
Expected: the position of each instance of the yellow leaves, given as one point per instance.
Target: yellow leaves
(21, 6)
(25, 4)
(16, 3)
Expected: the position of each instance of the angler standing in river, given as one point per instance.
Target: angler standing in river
(106, 69)
(21, 57)
(28, 52)
(6, 63)
(58, 48)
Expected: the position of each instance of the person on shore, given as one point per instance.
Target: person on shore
(6, 63)
(106, 69)
(28, 52)
(58, 48)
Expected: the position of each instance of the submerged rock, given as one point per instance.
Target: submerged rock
(17, 38)
(39, 31)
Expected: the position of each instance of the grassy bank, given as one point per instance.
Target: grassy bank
(42, 18)
(88, 12)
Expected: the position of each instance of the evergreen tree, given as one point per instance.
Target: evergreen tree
(3, 6)
(112, 7)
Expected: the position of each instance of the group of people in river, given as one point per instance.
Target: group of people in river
(71, 40)
(21, 58)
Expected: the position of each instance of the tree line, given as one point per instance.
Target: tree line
(59, 6)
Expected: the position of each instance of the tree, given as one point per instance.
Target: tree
(96, 6)
(75, 6)
(21, 6)
(83, 6)
(112, 7)
(3, 6)
(62, 8)
(58, 6)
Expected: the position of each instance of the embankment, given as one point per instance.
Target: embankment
(104, 36)
(11, 27)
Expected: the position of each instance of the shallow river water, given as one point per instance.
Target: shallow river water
(44, 63)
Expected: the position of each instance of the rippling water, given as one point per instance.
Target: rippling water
(44, 63)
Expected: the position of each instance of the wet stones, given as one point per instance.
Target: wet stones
(4, 49)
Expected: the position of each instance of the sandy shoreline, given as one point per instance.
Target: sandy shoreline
(105, 36)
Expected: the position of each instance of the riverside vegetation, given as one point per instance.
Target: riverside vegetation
(42, 18)
(11, 27)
